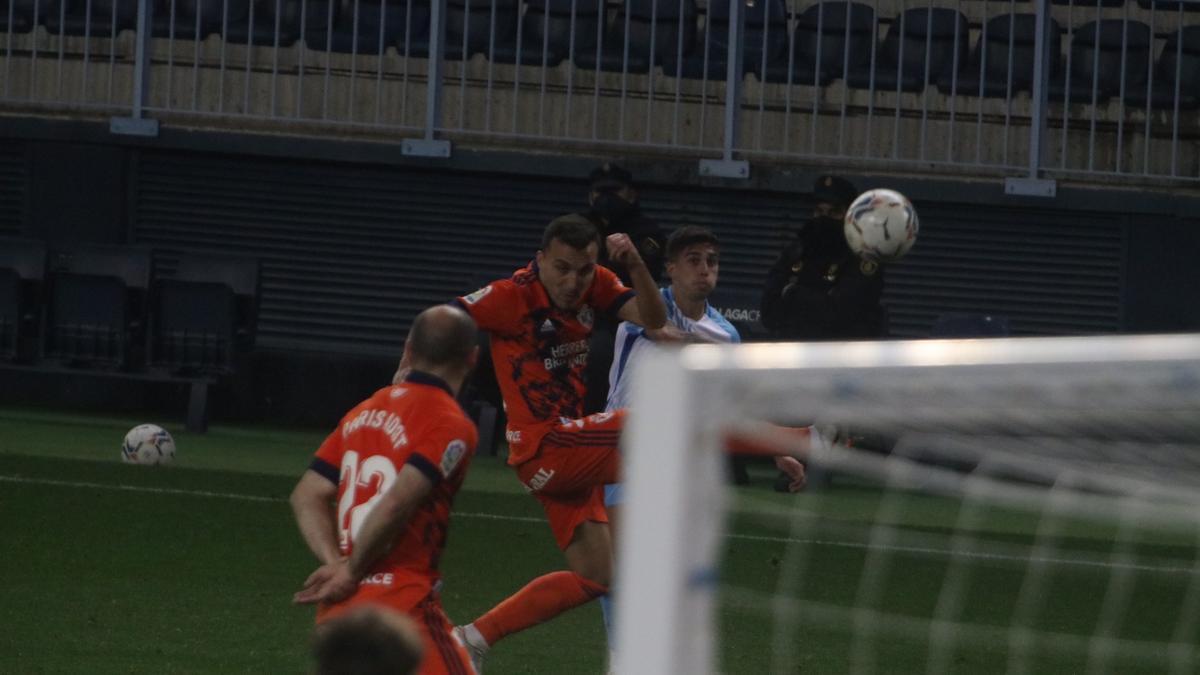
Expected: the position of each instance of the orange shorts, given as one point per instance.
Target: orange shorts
(575, 460)
(443, 653)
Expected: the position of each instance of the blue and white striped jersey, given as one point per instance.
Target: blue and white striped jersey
(632, 341)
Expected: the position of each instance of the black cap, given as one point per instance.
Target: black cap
(609, 176)
(835, 190)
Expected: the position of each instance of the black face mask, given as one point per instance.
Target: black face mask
(612, 208)
(824, 233)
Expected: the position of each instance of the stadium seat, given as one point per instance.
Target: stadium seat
(192, 326)
(371, 26)
(197, 19)
(765, 40)
(556, 29)
(240, 274)
(90, 17)
(1002, 62)
(25, 14)
(831, 38)
(96, 314)
(272, 22)
(481, 27)
(204, 315)
(646, 33)
(1179, 64)
(22, 274)
(922, 45)
(1101, 51)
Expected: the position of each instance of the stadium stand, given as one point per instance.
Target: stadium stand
(831, 39)
(94, 17)
(922, 45)
(19, 16)
(1107, 57)
(1176, 75)
(278, 22)
(647, 33)
(481, 27)
(765, 40)
(371, 26)
(564, 28)
(197, 19)
(1002, 62)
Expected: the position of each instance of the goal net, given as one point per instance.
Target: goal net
(1010, 506)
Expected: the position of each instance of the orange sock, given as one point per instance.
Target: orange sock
(540, 600)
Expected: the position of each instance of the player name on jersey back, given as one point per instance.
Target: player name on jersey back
(388, 421)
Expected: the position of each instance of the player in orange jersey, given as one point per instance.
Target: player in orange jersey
(392, 467)
(539, 321)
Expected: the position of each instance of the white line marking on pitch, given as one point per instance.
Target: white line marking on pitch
(527, 519)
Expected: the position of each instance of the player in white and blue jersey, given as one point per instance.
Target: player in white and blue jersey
(693, 262)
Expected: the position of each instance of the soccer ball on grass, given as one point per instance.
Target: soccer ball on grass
(148, 444)
(881, 225)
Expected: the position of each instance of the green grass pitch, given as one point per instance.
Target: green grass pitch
(110, 568)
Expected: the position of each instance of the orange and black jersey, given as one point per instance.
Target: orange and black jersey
(418, 423)
(539, 351)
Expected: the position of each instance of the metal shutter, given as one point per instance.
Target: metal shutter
(350, 254)
(1049, 273)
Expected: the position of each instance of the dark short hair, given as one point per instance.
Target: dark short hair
(364, 642)
(834, 190)
(609, 176)
(573, 229)
(443, 336)
(689, 235)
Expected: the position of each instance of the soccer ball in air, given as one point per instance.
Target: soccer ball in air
(148, 444)
(881, 225)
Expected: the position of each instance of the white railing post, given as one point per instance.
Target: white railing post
(428, 146)
(135, 124)
(727, 166)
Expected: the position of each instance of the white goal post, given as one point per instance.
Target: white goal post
(1104, 428)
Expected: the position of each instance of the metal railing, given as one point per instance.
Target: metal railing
(1032, 89)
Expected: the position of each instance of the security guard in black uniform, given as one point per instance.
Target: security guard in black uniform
(613, 202)
(819, 289)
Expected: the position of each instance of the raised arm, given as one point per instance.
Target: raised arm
(648, 309)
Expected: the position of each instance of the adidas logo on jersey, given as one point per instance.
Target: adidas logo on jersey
(547, 328)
